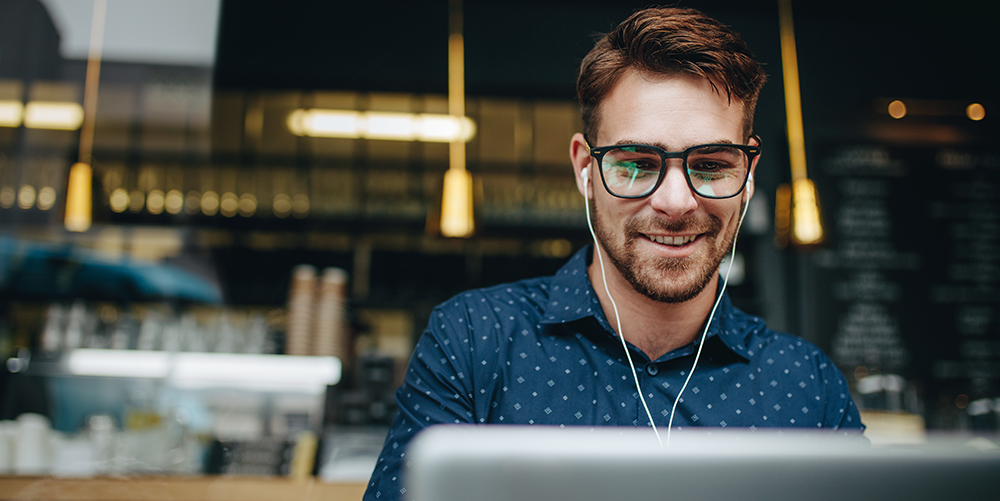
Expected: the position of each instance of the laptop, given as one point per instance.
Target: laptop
(494, 463)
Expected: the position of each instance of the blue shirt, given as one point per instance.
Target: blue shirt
(541, 351)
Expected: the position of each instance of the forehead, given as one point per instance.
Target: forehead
(670, 111)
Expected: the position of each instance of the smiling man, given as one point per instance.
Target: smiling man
(665, 236)
(635, 330)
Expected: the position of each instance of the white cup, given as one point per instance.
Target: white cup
(32, 453)
(8, 433)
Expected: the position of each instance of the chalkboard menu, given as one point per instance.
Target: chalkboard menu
(908, 281)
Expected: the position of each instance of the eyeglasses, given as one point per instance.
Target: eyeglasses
(711, 170)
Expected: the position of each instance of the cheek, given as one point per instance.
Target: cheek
(606, 208)
(616, 210)
(728, 208)
(728, 212)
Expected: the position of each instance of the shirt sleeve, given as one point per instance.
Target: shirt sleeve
(841, 413)
(436, 389)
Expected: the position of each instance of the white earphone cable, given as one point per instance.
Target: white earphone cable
(704, 333)
(621, 336)
(618, 320)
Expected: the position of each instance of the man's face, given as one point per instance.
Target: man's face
(668, 245)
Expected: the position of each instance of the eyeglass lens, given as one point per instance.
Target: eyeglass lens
(713, 170)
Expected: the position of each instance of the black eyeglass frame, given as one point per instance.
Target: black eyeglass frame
(750, 151)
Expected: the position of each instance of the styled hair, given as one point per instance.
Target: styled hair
(670, 41)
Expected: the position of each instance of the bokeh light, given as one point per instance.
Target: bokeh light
(7, 197)
(975, 111)
(229, 204)
(174, 202)
(897, 109)
(282, 205)
(136, 200)
(26, 197)
(210, 203)
(119, 200)
(46, 198)
(154, 202)
(248, 204)
(192, 204)
(962, 401)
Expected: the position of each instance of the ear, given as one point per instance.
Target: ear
(753, 169)
(579, 154)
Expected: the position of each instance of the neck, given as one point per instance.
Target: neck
(654, 327)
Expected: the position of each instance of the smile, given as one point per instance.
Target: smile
(674, 241)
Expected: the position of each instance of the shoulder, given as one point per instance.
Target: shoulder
(771, 342)
(522, 297)
(770, 345)
(760, 341)
(467, 335)
(781, 351)
(799, 361)
(801, 368)
(474, 318)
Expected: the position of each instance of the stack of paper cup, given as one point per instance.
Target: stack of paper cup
(331, 331)
(300, 310)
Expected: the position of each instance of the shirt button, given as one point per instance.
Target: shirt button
(651, 369)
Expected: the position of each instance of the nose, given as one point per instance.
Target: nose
(673, 198)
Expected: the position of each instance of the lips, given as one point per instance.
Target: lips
(675, 241)
(676, 234)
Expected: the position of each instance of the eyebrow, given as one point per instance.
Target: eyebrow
(664, 146)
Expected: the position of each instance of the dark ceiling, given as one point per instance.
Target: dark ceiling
(532, 48)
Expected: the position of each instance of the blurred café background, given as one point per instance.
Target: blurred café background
(223, 223)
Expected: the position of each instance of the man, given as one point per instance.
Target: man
(665, 162)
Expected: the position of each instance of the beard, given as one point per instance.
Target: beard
(666, 280)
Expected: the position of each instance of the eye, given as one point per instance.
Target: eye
(711, 169)
(641, 165)
(715, 162)
(629, 175)
(707, 176)
(712, 163)
(632, 158)
(629, 170)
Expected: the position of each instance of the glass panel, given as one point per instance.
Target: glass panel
(630, 170)
(717, 171)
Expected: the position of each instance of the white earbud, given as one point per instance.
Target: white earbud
(585, 174)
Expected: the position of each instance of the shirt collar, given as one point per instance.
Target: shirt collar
(571, 298)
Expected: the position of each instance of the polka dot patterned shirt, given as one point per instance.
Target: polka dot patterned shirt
(541, 352)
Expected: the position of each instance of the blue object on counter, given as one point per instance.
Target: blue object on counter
(33, 270)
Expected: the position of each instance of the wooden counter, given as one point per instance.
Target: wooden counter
(175, 489)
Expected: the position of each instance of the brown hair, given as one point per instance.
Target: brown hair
(669, 41)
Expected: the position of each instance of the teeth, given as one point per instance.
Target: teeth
(676, 241)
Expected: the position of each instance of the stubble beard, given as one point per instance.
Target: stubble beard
(666, 280)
